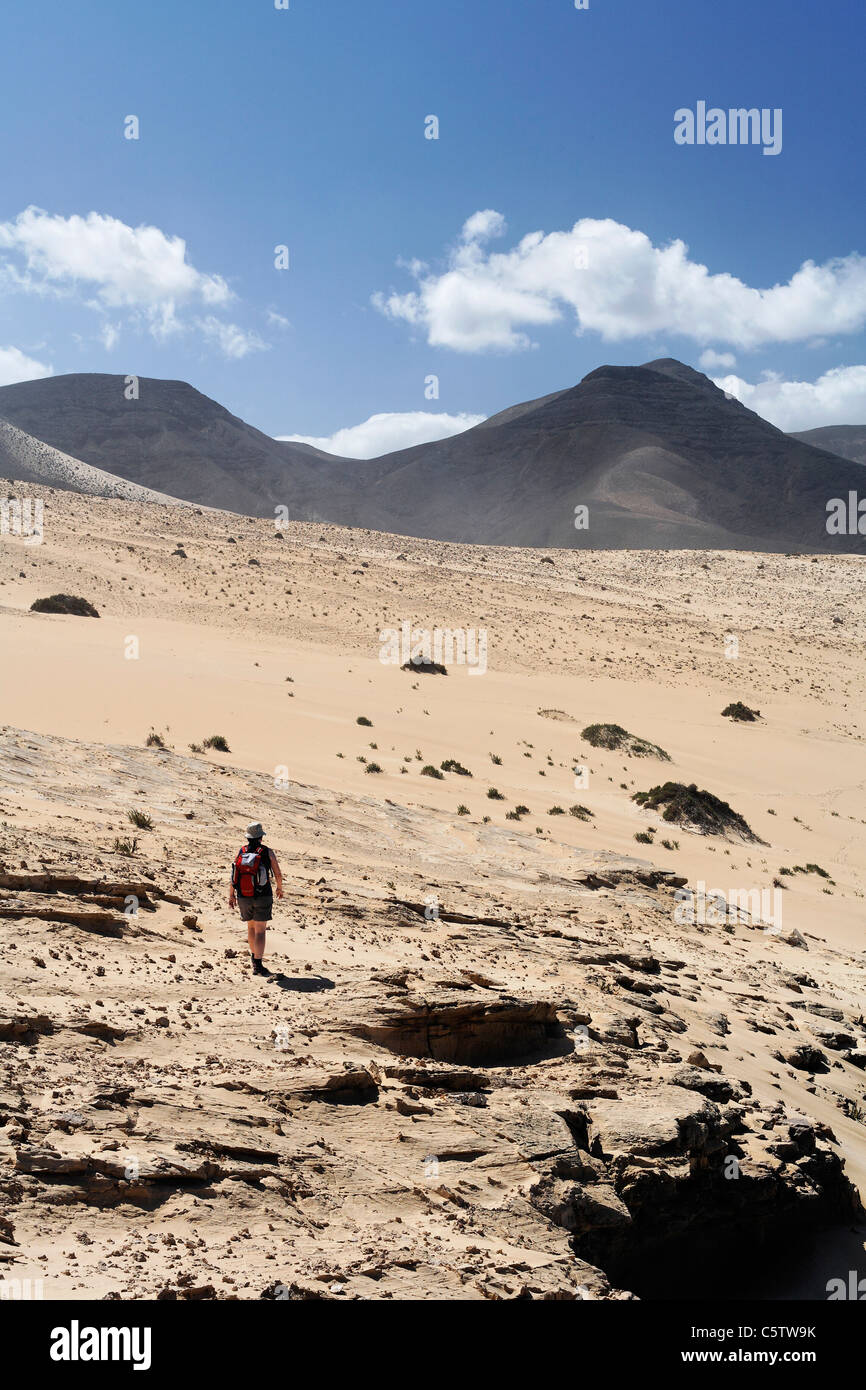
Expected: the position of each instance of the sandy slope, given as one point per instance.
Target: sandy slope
(634, 638)
(44, 465)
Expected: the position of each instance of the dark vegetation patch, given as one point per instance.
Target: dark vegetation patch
(698, 810)
(425, 668)
(65, 603)
(737, 710)
(614, 738)
(808, 869)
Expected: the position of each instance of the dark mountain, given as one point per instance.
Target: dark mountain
(178, 441)
(848, 441)
(29, 460)
(659, 455)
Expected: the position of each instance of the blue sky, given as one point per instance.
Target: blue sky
(305, 127)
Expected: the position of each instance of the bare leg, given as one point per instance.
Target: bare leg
(258, 931)
(251, 937)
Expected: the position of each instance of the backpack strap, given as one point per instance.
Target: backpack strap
(235, 866)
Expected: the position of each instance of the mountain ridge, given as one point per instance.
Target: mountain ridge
(848, 441)
(659, 455)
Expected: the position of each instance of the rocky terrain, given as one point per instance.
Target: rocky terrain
(546, 1090)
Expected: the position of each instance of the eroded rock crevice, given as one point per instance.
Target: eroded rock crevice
(457, 1023)
(668, 1201)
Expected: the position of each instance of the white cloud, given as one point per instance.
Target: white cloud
(619, 285)
(17, 366)
(142, 271)
(277, 320)
(711, 360)
(232, 340)
(836, 398)
(122, 265)
(383, 434)
(481, 226)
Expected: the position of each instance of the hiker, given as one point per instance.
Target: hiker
(251, 889)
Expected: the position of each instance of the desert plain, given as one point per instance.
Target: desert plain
(494, 1058)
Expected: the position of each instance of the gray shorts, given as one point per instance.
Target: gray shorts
(257, 909)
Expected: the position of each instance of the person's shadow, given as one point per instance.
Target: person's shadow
(301, 984)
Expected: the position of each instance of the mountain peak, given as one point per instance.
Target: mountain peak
(671, 366)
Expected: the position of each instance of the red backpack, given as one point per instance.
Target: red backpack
(248, 871)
